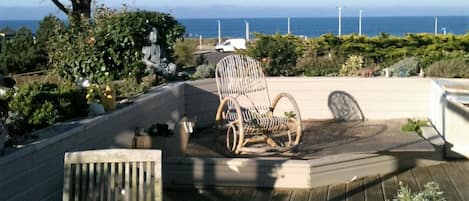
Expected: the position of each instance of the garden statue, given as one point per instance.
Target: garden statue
(152, 57)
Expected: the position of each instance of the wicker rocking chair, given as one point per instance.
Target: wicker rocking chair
(245, 110)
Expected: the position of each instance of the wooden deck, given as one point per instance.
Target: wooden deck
(453, 178)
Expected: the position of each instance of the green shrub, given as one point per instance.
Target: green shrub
(20, 54)
(320, 66)
(431, 192)
(111, 48)
(183, 52)
(37, 105)
(277, 53)
(413, 125)
(433, 56)
(204, 71)
(351, 67)
(130, 87)
(48, 27)
(405, 67)
(449, 68)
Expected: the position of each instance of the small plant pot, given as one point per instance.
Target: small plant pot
(109, 103)
(108, 99)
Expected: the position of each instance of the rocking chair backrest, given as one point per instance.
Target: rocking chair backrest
(241, 77)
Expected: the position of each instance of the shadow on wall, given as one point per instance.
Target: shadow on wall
(201, 101)
(344, 107)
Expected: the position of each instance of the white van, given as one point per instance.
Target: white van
(231, 45)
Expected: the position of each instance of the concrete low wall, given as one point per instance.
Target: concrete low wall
(449, 116)
(281, 173)
(35, 172)
(378, 98)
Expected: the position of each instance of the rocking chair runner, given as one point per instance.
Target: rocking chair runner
(245, 109)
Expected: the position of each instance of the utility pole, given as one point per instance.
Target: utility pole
(200, 42)
(247, 30)
(288, 26)
(340, 21)
(436, 26)
(360, 22)
(219, 32)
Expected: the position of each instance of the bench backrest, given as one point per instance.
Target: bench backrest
(113, 174)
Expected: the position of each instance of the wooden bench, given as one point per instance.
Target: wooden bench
(113, 174)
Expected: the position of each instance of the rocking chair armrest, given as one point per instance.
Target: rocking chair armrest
(223, 103)
(290, 98)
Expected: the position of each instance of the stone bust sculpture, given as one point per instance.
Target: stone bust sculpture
(152, 56)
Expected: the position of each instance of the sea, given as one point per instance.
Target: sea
(307, 27)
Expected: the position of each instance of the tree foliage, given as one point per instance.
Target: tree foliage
(278, 53)
(110, 48)
(323, 55)
(21, 53)
(79, 8)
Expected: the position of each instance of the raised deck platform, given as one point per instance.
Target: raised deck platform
(331, 152)
(453, 179)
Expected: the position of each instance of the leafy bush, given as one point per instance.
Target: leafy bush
(320, 66)
(431, 192)
(278, 53)
(37, 105)
(48, 27)
(183, 52)
(111, 48)
(204, 71)
(431, 57)
(413, 125)
(20, 54)
(130, 87)
(450, 68)
(405, 67)
(351, 67)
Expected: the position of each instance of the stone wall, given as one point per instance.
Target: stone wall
(378, 98)
(35, 172)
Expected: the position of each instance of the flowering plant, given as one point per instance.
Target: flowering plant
(102, 94)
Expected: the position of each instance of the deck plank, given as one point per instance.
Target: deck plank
(453, 179)
(390, 186)
(299, 195)
(318, 193)
(263, 194)
(464, 166)
(337, 193)
(246, 194)
(220, 193)
(441, 178)
(181, 194)
(421, 176)
(373, 190)
(408, 179)
(281, 195)
(355, 190)
(456, 176)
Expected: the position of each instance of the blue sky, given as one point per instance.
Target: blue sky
(36, 9)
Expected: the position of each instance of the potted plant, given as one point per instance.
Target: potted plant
(108, 98)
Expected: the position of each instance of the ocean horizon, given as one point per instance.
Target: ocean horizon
(305, 26)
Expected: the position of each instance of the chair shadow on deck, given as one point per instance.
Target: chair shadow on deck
(344, 107)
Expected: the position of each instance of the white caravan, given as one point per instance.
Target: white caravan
(231, 45)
